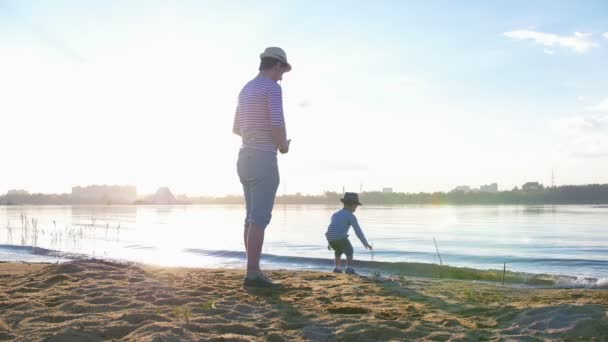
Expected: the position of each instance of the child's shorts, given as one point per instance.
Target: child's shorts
(342, 247)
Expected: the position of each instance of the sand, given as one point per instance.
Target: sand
(99, 301)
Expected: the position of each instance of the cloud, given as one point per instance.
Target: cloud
(605, 35)
(548, 52)
(578, 42)
(580, 98)
(600, 107)
(404, 84)
(584, 124)
(583, 136)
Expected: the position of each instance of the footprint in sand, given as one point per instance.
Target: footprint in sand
(103, 300)
(348, 310)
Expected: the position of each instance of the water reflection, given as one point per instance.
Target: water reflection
(476, 236)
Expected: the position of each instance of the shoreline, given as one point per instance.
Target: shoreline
(101, 300)
(598, 205)
(384, 268)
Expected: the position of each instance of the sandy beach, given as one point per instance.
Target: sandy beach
(99, 301)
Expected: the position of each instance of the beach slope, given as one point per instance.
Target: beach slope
(98, 301)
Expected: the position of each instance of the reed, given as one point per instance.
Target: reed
(439, 255)
(35, 233)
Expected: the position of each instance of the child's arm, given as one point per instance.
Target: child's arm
(359, 232)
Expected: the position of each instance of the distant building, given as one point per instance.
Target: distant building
(17, 193)
(104, 194)
(163, 196)
(462, 188)
(387, 190)
(489, 188)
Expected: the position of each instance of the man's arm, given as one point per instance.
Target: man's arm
(277, 120)
(359, 232)
(236, 128)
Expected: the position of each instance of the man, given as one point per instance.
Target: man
(260, 123)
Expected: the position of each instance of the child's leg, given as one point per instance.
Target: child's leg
(349, 261)
(349, 254)
(338, 259)
(338, 250)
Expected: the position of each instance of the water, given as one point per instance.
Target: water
(565, 240)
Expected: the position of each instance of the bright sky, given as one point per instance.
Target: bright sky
(417, 96)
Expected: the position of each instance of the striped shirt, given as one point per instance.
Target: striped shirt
(259, 110)
(341, 221)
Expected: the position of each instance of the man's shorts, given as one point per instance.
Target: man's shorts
(259, 174)
(342, 247)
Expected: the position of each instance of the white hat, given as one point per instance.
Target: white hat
(276, 53)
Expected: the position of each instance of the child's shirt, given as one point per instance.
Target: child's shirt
(341, 221)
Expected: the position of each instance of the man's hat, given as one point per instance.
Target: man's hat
(351, 198)
(276, 53)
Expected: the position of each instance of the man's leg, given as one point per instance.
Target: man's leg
(263, 187)
(245, 236)
(247, 192)
(262, 194)
(243, 164)
(255, 241)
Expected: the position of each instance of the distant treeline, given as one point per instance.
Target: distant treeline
(36, 199)
(530, 193)
(570, 194)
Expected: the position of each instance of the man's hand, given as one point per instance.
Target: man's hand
(368, 247)
(285, 147)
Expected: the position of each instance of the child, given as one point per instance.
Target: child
(337, 231)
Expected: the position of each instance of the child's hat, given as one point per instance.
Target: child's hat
(351, 198)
